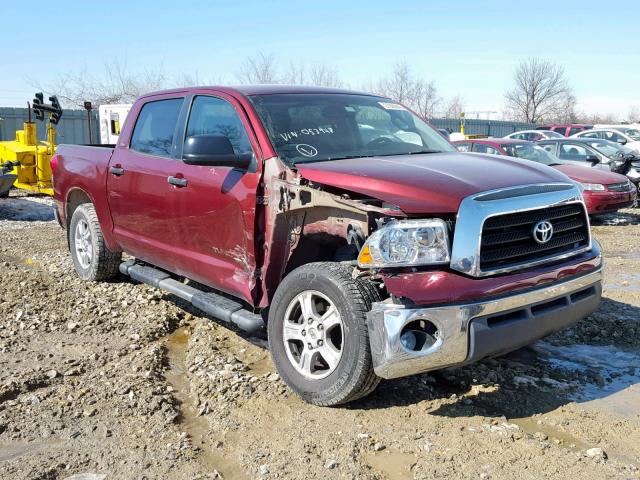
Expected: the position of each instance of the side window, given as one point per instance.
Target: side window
(574, 130)
(519, 136)
(591, 135)
(562, 130)
(572, 151)
(551, 148)
(217, 116)
(493, 151)
(463, 147)
(479, 148)
(612, 136)
(155, 127)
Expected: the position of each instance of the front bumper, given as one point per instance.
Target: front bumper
(604, 202)
(471, 331)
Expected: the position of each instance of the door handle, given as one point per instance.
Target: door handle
(177, 181)
(116, 170)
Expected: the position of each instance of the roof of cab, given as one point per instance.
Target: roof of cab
(248, 90)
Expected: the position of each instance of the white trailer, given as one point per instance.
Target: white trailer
(111, 118)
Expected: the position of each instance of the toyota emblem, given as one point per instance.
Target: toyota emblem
(543, 231)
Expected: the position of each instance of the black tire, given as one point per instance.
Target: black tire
(103, 263)
(353, 377)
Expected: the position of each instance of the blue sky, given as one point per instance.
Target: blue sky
(466, 48)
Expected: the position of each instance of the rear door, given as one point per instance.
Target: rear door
(142, 202)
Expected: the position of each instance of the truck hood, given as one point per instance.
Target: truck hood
(590, 175)
(427, 183)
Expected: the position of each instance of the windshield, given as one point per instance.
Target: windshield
(610, 149)
(529, 151)
(318, 127)
(632, 133)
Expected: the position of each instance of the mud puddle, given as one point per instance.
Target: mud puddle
(191, 422)
(393, 464)
(629, 282)
(616, 374)
(536, 427)
(11, 451)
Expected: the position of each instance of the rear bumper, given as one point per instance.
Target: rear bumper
(471, 331)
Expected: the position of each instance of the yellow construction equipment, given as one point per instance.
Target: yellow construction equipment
(24, 162)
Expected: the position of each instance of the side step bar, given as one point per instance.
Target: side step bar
(211, 303)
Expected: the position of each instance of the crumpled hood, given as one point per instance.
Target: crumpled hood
(427, 183)
(590, 175)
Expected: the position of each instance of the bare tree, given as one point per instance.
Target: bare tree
(541, 91)
(453, 107)
(116, 83)
(318, 74)
(259, 69)
(633, 116)
(418, 94)
(323, 75)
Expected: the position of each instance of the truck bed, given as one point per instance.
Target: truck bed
(84, 168)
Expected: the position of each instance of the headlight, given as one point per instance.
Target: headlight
(593, 187)
(406, 243)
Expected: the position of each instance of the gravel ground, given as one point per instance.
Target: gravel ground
(119, 380)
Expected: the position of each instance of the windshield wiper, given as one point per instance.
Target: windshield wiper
(407, 153)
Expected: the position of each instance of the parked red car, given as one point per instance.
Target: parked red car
(604, 192)
(566, 129)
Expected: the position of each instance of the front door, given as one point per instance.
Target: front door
(215, 211)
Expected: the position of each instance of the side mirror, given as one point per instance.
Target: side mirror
(213, 150)
(593, 159)
(621, 141)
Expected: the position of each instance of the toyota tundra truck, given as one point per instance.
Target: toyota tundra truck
(339, 224)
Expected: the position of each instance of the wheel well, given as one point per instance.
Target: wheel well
(76, 198)
(321, 247)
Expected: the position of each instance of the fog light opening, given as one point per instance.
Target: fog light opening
(419, 335)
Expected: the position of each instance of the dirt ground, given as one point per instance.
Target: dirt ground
(121, 381)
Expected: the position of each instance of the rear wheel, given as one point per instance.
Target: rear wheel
(318, 334)
(92, 259)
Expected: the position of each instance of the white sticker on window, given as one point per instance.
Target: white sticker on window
(391, 106)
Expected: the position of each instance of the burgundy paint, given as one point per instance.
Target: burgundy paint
(429, 183)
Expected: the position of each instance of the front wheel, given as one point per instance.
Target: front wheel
(318, 333)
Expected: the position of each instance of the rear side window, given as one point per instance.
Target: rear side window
(574, 130)
(155, 127)
(463, 147)
(560, 130)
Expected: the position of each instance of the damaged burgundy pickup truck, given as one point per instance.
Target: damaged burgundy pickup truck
(339, 223)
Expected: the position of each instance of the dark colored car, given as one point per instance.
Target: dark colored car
(566, 129)
(597, 153)
(354, 234)
(604, 192)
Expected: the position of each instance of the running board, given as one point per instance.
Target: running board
(211, 303)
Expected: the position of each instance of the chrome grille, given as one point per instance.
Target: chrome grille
(507, 240)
